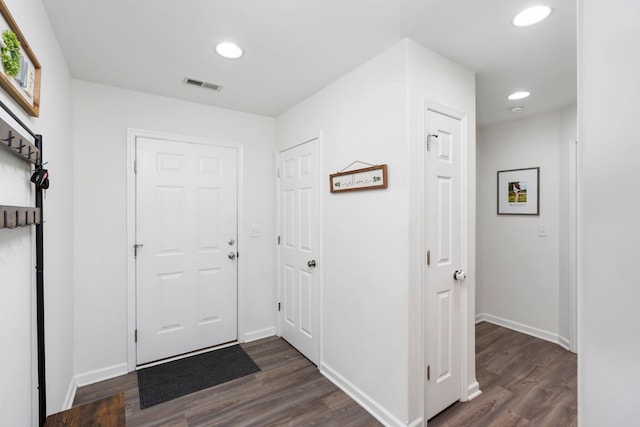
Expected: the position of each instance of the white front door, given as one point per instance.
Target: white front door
(186, 229)
(299, 248)
(445, 241)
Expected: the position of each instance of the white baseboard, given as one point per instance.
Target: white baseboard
(473, 390)
(419, 422)
(71, 395)
(519, 327)
(564, 342)
(258, 335)
(101, 375)
(364, 400)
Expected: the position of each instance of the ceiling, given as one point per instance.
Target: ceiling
(293, 48)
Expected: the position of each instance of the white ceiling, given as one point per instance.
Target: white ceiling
(293, 48)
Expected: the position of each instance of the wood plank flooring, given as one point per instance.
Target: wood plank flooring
(525, 382)
(289, 391)
(107, 412)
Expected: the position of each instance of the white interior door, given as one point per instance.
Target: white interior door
(186, 229)
(445, 237)
(299, 248)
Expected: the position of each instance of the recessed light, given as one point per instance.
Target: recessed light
(531, 15)
(518, 95)
(229, 50)
(517, 109)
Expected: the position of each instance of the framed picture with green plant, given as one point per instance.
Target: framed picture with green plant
(372, 178)
(20, 71)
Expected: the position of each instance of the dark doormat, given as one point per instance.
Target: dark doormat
(171, 380)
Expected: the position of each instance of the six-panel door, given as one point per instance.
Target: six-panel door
(444, 241)
(186, 222)
(299, 248)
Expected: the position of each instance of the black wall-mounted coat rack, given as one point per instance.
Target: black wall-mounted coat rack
(18, 216)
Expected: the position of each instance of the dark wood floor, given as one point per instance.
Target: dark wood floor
(525, 382)
(106, 412)
(289, 391)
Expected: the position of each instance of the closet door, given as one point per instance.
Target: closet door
(300, 248)
(445, 242)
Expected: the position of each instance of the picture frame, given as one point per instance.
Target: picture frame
(372, 178)
(24, 88)
(519, 191)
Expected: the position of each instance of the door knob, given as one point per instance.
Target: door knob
(311, 263)
(460, 275)
(232, 255)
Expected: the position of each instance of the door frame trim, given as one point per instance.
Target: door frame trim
(132, 135)
(319, 269)
(574, 197)
(469, 387)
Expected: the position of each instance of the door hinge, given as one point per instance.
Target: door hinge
(278, 239)
(428, 372)
(428, 258)
(135, 336)
(135, 166)
(278, 306)
(278, 172)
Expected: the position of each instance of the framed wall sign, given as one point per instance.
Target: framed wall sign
(371, 178)
(519, 192)
(20, 71)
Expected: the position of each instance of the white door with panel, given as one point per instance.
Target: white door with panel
(444, 244)
(299, 248)
(186, 233)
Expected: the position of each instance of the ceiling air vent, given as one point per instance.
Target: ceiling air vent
(199, 83)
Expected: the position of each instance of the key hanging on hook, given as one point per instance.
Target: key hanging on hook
(41, 178)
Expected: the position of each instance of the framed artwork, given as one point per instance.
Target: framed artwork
(371, 178)
(20, 73)
(519, 192)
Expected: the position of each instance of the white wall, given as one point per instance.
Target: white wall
(365, 234)
(519, 273)
(568, 136)
(102, 115)
(609, 238)
(438, 82)
(16, 284)
(18, 397)
(368, 331)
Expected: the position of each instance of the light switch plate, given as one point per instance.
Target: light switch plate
(255, 231)
(543, 230)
